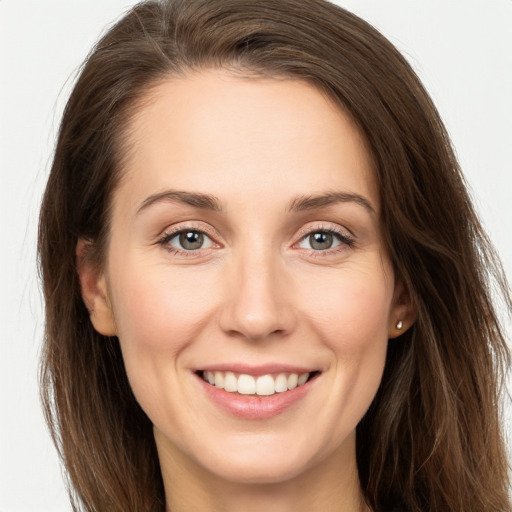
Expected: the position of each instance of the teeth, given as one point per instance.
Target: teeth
(281, 383)
(246, 385)
(293, 378)
(302, 379)
(219, 380)
(230, 382)
(264, 385)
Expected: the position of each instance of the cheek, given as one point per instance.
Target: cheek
(350, 310)
(158, 315)
(158, 310)
(350, 317)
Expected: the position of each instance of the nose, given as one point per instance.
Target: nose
(258, 300)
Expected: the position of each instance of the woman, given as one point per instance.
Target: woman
(270, 290)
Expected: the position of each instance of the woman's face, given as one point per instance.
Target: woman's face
(246, 249)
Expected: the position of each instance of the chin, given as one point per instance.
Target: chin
(265, 461)
(265, 470)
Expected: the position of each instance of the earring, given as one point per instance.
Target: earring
(399, 325)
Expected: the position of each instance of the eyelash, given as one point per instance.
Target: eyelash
(344, 239)
(167, 237)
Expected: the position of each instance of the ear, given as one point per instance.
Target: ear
(93, 286)
(403, 311)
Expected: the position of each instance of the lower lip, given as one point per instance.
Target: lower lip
(253, 407)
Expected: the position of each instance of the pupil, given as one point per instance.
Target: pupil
(191, 240)
(320, 241)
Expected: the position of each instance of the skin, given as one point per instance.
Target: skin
(256, 292)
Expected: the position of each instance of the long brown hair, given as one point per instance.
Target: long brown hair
(431, 440)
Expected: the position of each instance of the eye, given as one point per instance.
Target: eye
(188, 240)
(323, 240)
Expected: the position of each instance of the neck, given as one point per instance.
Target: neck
(330, 486)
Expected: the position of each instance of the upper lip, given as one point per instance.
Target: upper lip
(256, 370)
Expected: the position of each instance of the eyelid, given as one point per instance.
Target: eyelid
(347, 238)
(328, 227)
(171, 232)
(189, 226)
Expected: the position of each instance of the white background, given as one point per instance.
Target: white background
(462, 49)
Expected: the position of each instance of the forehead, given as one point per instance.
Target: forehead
(218, 133)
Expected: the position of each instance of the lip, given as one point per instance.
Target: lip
(252, 407)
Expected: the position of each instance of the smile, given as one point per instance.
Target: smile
(264, 385)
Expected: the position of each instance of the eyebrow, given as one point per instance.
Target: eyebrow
(196, 199)
(301, 203)
(321, 200)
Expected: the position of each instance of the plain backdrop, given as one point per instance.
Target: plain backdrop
(462, 50)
